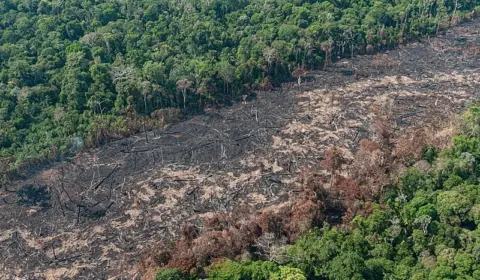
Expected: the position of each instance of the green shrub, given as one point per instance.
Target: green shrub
(228, 270)
(289, 273)
(169, 274)
(429, 153)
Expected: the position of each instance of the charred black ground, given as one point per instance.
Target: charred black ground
(95, 215)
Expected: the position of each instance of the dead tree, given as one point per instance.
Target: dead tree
(299, 73)
(334, 159)
(183, 85)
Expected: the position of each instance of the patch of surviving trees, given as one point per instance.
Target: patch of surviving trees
(89, 71)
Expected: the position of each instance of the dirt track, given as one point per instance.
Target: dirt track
(99, 212)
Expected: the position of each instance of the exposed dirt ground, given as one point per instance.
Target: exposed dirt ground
(92, 217)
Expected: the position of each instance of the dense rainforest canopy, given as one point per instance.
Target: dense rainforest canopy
(425, 227)
(76, 70)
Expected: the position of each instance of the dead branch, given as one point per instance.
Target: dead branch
(105, 178)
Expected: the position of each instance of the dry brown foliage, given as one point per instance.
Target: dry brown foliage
(333, 162)
(371, 165)
(409, 147)
(265, 85)
(158, 255)
(370, 48)
(299, 72)
(382, 131)
(228, 235)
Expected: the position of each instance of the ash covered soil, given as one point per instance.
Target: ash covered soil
(93, 216)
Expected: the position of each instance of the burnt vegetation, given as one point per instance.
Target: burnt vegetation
(250, 181)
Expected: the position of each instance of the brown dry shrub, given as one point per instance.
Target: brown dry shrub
(223, 236)
(273, 220)
(265, 85)
(189, 232)
(299, 72)
(249, 230)
(333, 162)
(307, 176)
(304, 214)
(351, 193)
(294, 218)
(214, 244)
(157, 256)
(370, 166)
(182, 256)
(334, 159)
(370, 48)
(218, 221)
(382, 132)
(409, 147)
(349, 190)
(227, 235)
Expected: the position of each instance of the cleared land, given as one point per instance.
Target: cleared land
(95, 215)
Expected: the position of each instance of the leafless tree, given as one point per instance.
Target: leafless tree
(183, 85)
(270, 246)
(299, 73)
(122, 73)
